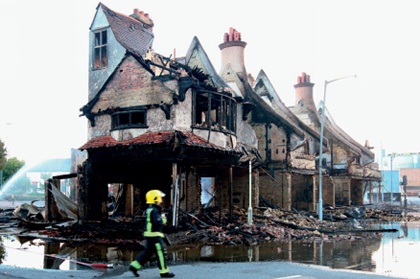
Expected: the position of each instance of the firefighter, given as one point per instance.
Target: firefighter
(153, 235)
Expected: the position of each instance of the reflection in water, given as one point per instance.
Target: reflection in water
(398, 253)
(387, 254)
(354, 254)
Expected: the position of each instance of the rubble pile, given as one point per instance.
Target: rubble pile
(214, 228)
(112, 233)
(221, 227)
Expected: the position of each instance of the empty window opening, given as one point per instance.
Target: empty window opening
(208, 191)
(115, 199)
(214, 110)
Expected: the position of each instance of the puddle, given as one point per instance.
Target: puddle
(392, 254)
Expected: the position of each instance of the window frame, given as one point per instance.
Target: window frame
(215, 111)
(127, 119)
(100, 49)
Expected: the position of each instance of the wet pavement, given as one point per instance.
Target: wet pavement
(252, 270)
(379, 256)
(389, 255)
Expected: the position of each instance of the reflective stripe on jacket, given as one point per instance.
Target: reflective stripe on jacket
(154, 222)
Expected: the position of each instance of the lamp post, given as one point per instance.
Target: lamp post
(250, 194)
(321, 142)
(392, 156)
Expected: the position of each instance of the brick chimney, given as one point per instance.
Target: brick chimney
(304, 92)
(143, 18)
(233, 49)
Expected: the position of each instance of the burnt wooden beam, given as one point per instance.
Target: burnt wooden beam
(65, 176)
(51, 210)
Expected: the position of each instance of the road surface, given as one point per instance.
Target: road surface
(251, 270)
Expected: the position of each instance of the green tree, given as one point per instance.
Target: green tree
(3, 159)
(3, 155)
(12, 166)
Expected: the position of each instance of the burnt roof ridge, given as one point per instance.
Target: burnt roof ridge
(263, 77)
(252, 96)
(209, 68)
(343, 133)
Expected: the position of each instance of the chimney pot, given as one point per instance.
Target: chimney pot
(231, 34)
(304, 92)
(225, 37)
(233, 52)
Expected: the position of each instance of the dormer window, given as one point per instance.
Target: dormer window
(100, 56)
(128, 119)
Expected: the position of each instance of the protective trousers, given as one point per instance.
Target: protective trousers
(154, 245)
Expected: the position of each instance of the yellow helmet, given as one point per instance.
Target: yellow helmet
(154, 196)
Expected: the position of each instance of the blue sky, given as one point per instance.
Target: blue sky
(44, 57)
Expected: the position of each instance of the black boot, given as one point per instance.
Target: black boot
(134, 270)
(167, 275)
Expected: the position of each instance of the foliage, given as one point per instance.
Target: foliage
(12, 166)
(2, 254)
(3, 155)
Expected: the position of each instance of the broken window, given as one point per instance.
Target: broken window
(100, 57)
(128, 119)
(214, 110)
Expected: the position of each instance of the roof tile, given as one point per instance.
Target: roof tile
(129, 32)
(186, 138)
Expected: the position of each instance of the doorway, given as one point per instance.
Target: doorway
(208, 191)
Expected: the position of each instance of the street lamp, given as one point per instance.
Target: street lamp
(250, 194)
(392, 156)
(321, 142)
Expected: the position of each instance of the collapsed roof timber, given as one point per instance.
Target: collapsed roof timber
(175, 124)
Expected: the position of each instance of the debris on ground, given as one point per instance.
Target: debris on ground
(214, 227)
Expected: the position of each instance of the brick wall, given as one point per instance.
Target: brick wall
(288, 190)
(271, 190)
(131, 85)
(278, 143)
(413, 180)
(241, 189)
(260, 133)
(302, 192)
(191, 195)
(328, 193)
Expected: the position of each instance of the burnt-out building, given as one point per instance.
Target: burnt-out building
(349, 167)
(156, 122)
(292, 167)
(289, 139)
(287, 146)
(203, 138)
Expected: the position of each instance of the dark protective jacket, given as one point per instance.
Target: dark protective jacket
(154, 221)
